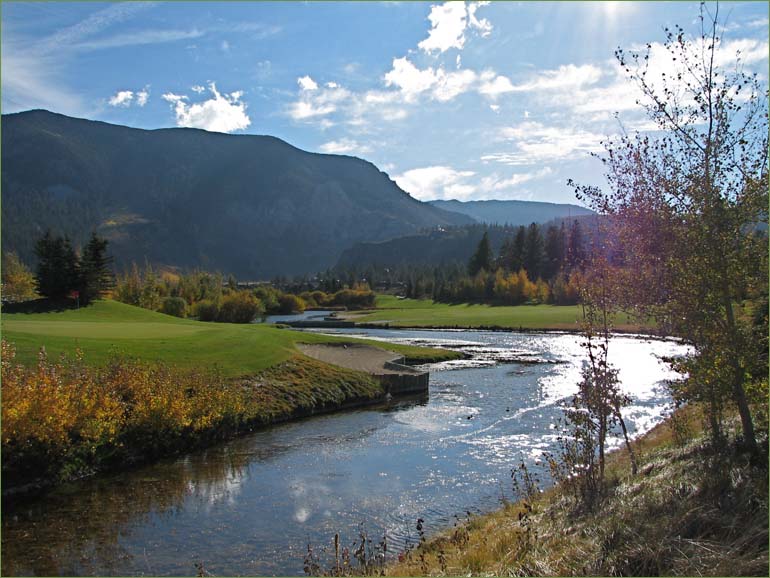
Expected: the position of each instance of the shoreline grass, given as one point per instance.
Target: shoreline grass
(428, 314)
(689, 511)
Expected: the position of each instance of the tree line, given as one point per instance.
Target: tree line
(61, 272)
(534, 264)
(210, 297)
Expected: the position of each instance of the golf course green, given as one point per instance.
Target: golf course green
(109, 328)
(398, 312)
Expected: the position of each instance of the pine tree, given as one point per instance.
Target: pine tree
(57, 268)
(96, 276)
(554, 251)
(482, 258)
(575, 248)
(533, 252)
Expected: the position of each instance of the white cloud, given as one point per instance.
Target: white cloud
(620, 94)
(345, 146)
(137, 39)
(442, 182)
(173, 98)
(93, 24)
(566, 77)
(121, 98)
(223, 113)
(126, 98)
(143, 96)
(34, 81)
(758, 23)
(535, 143)
(409, 79)
(224, 46)
(451, 84)
(303, 109)
(493, 85)
(449, 22)
(198, 89)
(307, 83)
(316, 102)
(436, 182)
(750, 51)
(481, 24)
(496, 184)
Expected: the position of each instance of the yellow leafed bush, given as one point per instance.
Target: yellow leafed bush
(64, 410)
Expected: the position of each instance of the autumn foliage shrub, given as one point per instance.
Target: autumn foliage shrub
(62, 418)
(239, 307)
(175, 306)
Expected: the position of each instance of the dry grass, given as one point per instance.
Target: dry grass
(688, 512)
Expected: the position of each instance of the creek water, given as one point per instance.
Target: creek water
(252, 505)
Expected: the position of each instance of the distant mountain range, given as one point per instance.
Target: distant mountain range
(512, 212)
(445, 246)
(254, 206)
(250, 205)
(436, 247)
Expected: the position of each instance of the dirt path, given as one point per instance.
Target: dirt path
(359, 357)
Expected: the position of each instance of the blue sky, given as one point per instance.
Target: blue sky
(460, 100)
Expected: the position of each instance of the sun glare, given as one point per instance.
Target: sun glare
(614, 9)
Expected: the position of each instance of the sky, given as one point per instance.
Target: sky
(455, 100)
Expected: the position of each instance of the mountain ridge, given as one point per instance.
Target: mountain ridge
(512, 212)
(253, 205)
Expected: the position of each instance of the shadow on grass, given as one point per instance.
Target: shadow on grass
(39, 306)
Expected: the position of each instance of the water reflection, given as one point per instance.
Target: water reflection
(251, 506)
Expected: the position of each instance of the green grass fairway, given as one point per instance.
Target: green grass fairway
(109, 327)
(426, 313)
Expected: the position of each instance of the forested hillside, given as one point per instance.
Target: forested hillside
(253, 206)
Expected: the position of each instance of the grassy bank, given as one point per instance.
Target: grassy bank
(689, 512)
(63, 418)
(426, 313)
(135, 385)
(107, 328)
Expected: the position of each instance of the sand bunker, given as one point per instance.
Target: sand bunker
(353, 356)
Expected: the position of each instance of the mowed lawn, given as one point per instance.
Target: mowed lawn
(427, 313)
(107, 328)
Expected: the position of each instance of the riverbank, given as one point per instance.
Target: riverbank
(689, 511)
(99, 408)
(109, 328)
(394, 312)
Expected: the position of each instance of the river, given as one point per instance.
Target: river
(252, 505)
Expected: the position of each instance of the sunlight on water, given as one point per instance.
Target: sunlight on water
(251, 506)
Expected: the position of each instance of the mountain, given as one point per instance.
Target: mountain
(443, 246)
(250, 205)
(512, 212)
(436, 247)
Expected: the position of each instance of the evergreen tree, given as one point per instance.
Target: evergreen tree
(57, 270)
(482, 258)
(95, 274)
(533, 252)
(517, 262)
(554, 251)
(575, 247)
